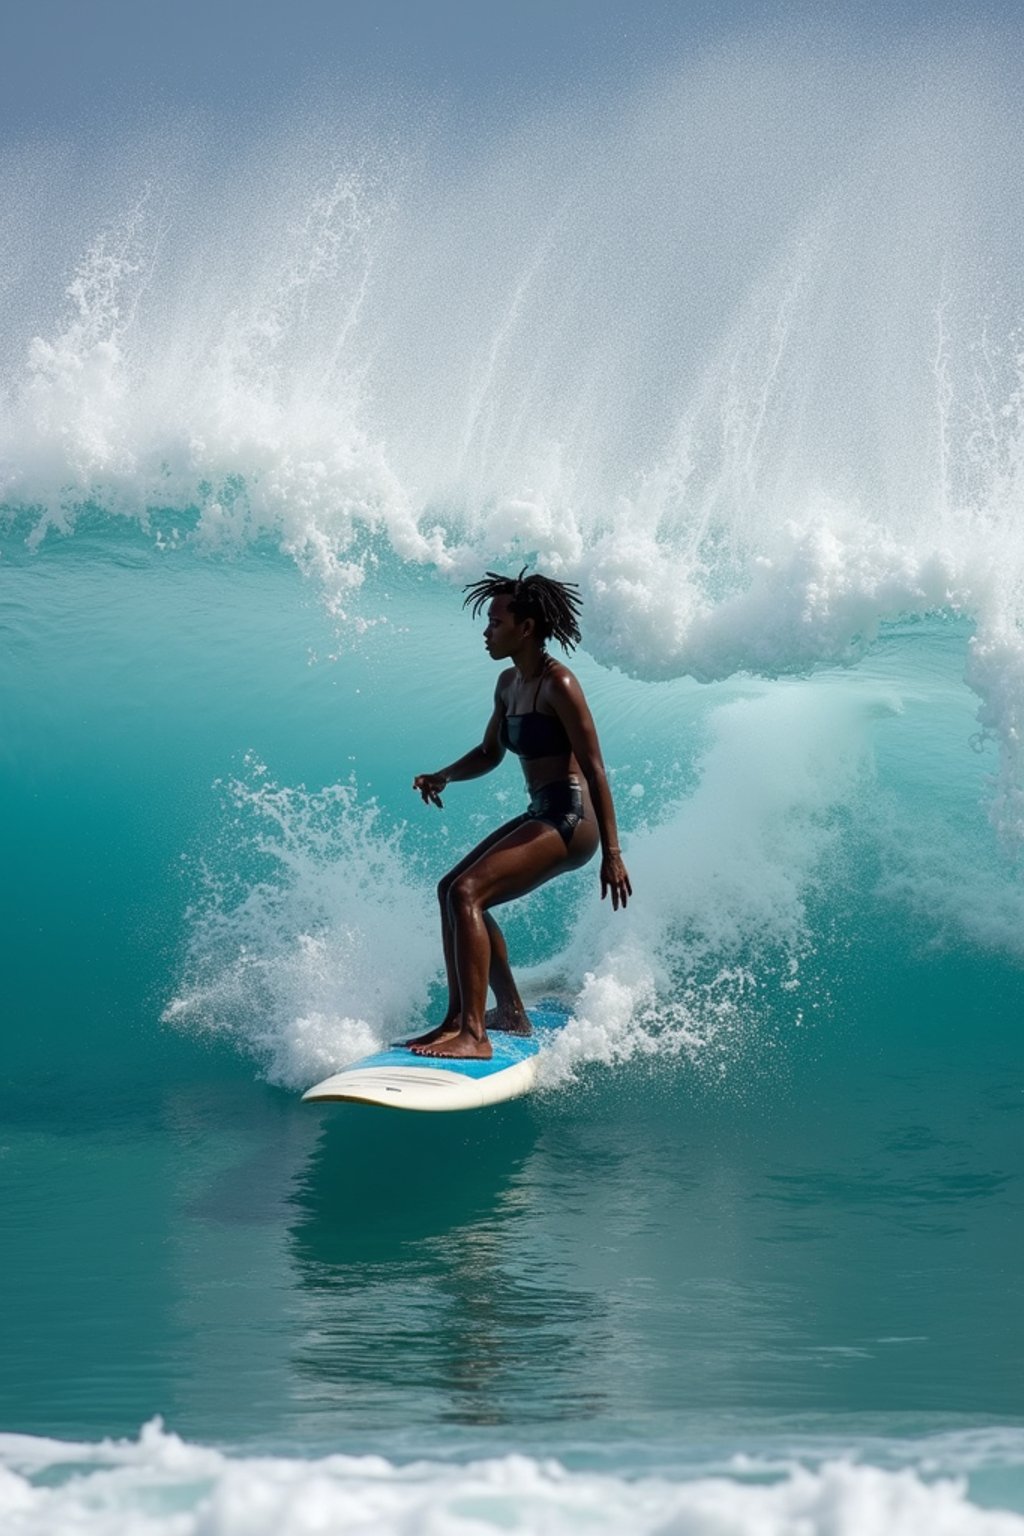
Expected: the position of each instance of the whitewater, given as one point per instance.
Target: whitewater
(738, 349)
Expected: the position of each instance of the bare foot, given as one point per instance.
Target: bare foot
(442, 1031)
(512, 1020)
(462, 1045)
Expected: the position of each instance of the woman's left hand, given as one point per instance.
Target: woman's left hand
(615, 879)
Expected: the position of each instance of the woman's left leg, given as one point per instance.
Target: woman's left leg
(526, 858)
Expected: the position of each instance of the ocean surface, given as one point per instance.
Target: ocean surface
(740, 353)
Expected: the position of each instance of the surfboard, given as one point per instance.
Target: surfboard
(398, 1079)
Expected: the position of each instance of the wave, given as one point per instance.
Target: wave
(167, 1487)
(786, 850)
(749, 371)
(293, 950)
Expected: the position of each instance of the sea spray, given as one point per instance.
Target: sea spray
(314, 934)
(751, 374)
(312, 939)
(716, 945)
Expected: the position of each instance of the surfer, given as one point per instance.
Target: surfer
(541, 715)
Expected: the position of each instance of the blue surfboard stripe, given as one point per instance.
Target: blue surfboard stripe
(507, 1049)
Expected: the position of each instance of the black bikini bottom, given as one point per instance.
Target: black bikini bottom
(560, 805)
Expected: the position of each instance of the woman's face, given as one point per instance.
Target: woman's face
(504, 633)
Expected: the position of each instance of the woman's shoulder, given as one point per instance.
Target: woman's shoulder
(504, 682)
(560, 679)
(557, 672)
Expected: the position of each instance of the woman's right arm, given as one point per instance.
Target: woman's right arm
(478, 761)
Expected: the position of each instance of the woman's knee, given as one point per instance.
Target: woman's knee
(463, 893)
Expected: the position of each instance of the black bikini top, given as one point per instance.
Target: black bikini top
(534, 734)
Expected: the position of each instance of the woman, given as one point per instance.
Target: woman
(540, 714)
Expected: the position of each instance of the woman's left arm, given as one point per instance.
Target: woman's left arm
(571, 707)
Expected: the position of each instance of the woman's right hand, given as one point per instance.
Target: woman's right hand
(615, 879)
(430, 786)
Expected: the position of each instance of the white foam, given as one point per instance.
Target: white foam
(162, 1486)
(995, 671)
(719, 931)
(293, 952)
(300, 964)
(727, 352)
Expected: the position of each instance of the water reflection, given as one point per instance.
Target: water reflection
(424, 1291)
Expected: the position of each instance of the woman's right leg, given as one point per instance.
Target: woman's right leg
(510, 1013)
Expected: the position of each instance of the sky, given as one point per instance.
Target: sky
(74, 64)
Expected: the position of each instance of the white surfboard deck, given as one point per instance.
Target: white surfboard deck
(398, 1079)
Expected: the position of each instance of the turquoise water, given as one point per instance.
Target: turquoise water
(749, 1258)
(801, 1225)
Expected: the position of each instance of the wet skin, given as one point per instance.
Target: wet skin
(514, 860)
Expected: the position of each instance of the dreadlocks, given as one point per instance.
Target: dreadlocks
(552, 605)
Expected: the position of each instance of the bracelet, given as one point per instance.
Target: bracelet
(613, 850)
